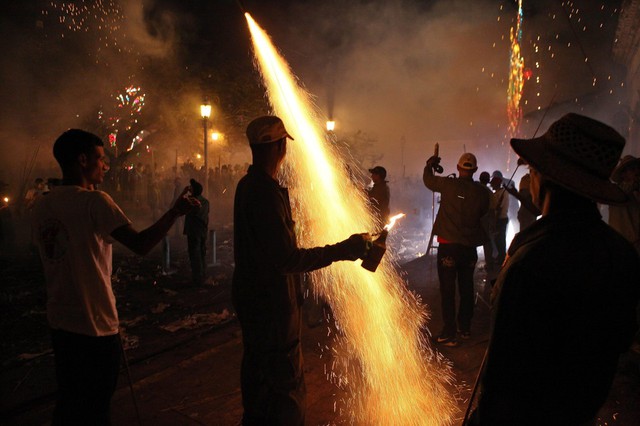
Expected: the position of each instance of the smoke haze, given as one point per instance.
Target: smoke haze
(404, 73)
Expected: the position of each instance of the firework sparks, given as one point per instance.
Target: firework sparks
(102, 17)
(381, 359)
(123, 115)
(393, 220)
(516, 78)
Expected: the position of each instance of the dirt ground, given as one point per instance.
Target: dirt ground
(183, 343)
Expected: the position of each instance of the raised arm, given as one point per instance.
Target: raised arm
(142, 242)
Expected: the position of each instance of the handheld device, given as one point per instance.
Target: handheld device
(436, 153)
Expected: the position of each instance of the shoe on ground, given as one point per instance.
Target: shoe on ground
(465, 335)
(446, 340)
(210, 282)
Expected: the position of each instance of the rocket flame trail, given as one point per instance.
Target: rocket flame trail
(381, 358)
(393, 220)
(516, 78)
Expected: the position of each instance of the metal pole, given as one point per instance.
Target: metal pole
(166, 254)
(133, 394)
(213, 238)
(475, 389)
(206, 160)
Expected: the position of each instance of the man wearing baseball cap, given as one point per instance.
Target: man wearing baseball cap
(266, 287)
(379, 194)
(459, 228)
(565, 300)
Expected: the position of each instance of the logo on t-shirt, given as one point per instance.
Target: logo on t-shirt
(54, 239)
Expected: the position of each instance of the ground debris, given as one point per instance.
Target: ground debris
(129, 341)
(132, 322)
(30, 356)
(160, 307)
(197, 320)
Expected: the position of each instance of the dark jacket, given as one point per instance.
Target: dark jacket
(266, 282)
(564, 309)
(380, 196)
(462, 206)
(196, 222)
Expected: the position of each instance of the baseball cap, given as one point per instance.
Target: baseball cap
(266, 129)
(468, 161)
(379, 170)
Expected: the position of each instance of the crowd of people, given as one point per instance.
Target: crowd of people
(564, 300)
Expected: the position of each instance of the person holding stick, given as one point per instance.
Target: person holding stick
(460, 230)
(564, 303)
(74, 226)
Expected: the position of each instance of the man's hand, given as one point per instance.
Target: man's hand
(511, 189)
(185, 203)
(433, 163)
(355, 247)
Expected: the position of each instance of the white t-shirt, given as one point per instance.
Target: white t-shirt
(71, 228)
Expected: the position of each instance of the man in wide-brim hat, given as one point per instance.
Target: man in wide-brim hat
(565, 300)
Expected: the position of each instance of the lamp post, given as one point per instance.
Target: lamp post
(216, 136)
(205, 112)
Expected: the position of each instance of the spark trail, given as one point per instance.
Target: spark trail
(516, 77)
(381, 358)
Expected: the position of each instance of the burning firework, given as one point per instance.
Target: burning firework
(381, 359)
(516, 78)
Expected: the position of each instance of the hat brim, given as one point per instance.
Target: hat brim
(286, 135)
(616, 175)
(540, 155)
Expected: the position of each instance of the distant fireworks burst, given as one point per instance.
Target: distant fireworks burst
(102, 18)
(121, 116)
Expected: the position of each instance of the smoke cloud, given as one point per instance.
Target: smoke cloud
(404, 73)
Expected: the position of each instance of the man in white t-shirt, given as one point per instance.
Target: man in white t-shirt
(74, 227)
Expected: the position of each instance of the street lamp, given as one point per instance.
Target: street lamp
(331, 125)
(205, 112)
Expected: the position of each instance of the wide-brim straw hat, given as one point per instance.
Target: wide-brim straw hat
(626, 162)
(579, 153)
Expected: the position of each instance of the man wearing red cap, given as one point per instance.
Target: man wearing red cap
(266, 287)
(459, 228)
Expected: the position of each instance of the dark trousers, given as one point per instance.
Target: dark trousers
(456, 263)
(273, 388)
(501, 240)
(197, 246)
(87, 370)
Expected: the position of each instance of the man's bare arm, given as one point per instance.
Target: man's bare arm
(142, 242)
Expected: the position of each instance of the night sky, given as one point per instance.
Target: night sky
(402, 74)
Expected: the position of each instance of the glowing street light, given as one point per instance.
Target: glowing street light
(331, 125)
(205, 112)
